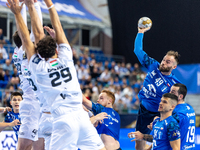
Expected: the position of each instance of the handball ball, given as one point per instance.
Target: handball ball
(144, 22)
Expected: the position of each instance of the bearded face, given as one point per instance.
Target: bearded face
(164, 69)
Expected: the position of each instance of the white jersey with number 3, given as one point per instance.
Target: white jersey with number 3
(57, 79)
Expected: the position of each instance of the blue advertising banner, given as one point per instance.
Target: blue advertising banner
(126, 144)
(8, 140)
(70, 8)
(190, 76)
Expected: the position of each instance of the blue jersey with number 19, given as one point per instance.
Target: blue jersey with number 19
(185, 115)
(57, 79)
(163, 132)
(155, 83)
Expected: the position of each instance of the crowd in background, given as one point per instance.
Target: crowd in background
(123, 79)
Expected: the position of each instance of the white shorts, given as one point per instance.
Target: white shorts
(45, 128)
(73, 130)
(29, 111)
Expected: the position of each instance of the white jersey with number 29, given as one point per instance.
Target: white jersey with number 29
(57, 79)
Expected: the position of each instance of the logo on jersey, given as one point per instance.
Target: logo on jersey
(24, 56)
(164, 88)
(54, 63)
(36, 59)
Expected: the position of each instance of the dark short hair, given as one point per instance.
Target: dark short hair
(15, 94)
(17, 40)
(46, 47)
(171, 96)
(182, 89)
(175, 54)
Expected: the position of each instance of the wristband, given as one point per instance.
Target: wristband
(51, 6)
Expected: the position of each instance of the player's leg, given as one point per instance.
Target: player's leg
(144, 118)
(93, 140)
(39, 144)
(45, 128)
(65, 130)
(29, 114)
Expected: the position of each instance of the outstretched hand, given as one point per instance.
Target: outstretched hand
(137, 135)
(100, 117)
(142, 30)
(51, 32)
(14, 6)
(15, 123)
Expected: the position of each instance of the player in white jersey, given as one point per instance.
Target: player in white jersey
(57, 78)
(29, 108)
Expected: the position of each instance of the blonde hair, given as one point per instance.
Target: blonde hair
(110, 94)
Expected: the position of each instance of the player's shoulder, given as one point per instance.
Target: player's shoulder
(35, 59)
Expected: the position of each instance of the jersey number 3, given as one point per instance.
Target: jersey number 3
(64, 73)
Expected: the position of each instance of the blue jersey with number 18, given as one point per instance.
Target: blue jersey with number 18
(185, 115)
(155, 83)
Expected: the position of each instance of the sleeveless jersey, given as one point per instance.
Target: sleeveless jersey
(57, 79)
(155, 83)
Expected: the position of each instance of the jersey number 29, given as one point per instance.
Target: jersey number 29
(64, 73)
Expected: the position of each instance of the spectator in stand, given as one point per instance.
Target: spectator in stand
(116, 81)
(104, 77)
(1, 36)
(8, 66)
(7, 76)
(112, 73)
(133, 77)
(13, 82)
(129, 67)
(123, 71)
(137, 68)
(83, 75)
(6, 96)
(1, 74)
(87, 94)
(117, 67)
(3, 51)
(92, 56)
(113, 64)
(15, 73)
(84, 63)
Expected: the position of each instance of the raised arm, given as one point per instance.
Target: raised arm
(22, 29)
(87, 103)
(142, 56)
(55, 21)
(3, 125)
(36, 21)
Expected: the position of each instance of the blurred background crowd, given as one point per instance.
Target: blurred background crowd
(94, 74)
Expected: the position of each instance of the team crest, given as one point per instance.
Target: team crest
(36, 60)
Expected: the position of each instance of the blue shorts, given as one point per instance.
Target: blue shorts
(144, 118)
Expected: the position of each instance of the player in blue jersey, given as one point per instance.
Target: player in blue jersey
(157, 82)
(109, 128)
(16, 98)
(166, 132)
(185, 115)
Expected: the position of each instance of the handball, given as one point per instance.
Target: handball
(144, 22)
